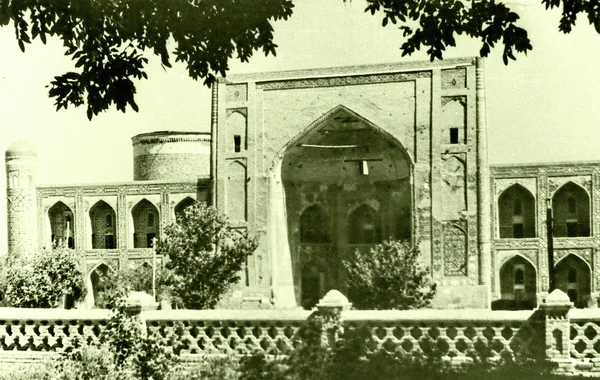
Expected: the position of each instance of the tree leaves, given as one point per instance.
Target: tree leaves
(107, 40)
(206, 256)
(388, 276)
(436, 23)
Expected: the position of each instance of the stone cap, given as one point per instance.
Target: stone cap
(20, 148)
(140, 301)
(334, 299)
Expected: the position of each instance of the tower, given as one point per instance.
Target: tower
(21, 163)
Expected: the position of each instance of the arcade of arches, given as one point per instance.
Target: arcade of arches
(519, 281)
(347, 187)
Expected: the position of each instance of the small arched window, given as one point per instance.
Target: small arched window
(572, 275)
(68, 219)
(572, 205)
(109, 220)
(519, 276)
(150, 220)
(518, 207)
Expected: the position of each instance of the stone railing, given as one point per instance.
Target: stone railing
(555, 331)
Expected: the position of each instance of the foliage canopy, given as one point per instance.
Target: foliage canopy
(42, 279)
(388, 276)
(206, 256)
(107, 38)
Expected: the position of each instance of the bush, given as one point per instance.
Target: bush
(388, 276)
(205, 255)
(42, 279)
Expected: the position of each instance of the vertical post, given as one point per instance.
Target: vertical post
(154, 268)
(557, 327)
(549, 235)
(483, 183)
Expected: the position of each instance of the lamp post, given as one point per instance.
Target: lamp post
(550, 245)
(154, 268)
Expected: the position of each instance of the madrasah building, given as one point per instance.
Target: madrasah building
(319, 163)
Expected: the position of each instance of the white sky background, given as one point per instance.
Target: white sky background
(544, 107)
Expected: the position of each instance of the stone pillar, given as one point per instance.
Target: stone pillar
(557, 328)
(483, 184)
(282, 274)
(214, 122)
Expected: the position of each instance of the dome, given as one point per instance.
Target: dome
(21, 148)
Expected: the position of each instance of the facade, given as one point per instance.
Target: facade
(112, 223)
(521, 197)
(319, 163)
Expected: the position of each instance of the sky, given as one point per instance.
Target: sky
(544, 107)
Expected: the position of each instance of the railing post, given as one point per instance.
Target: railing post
(331, 307)
(136, 303)
(557, 329)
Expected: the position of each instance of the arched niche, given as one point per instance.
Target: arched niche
(145, 224)
(181, 206)
(339, 162)
(516, 213)
(62, 225)
(572, 276)
(571, 211)
(313, 284)
(518, 285)
(103, 220)
(364, 226)
(100, 280)
(313, 226)
(236, 206)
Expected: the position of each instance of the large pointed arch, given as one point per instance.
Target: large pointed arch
(340, 161)
(572, 275)
(344, 112)
(100, 281)
(182, 205)
(62, 225)
(518, 284)
(146, 224)
(103, 221)
(516, 213)
(571, 211)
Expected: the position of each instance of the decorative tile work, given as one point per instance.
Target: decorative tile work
(455, 249)
(341, 81)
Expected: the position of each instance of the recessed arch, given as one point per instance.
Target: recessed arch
(571, 211)
(516, 213)
(364, 226)
(518, 284)
(146, 222)
(182, 205)
(103, 226)
(62, 225)
(572, 275)
(313, 225)
(99, 282)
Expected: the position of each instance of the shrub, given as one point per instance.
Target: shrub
(43, 278)
(388, 276)
(205, 255)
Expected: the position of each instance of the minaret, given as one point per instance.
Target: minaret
(21, 164)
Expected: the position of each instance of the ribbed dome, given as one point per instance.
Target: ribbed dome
(21, 148)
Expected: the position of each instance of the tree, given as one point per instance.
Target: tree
(388, 276)
(436, 23)
(43, 278)
(205, 255)
(107, 40)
